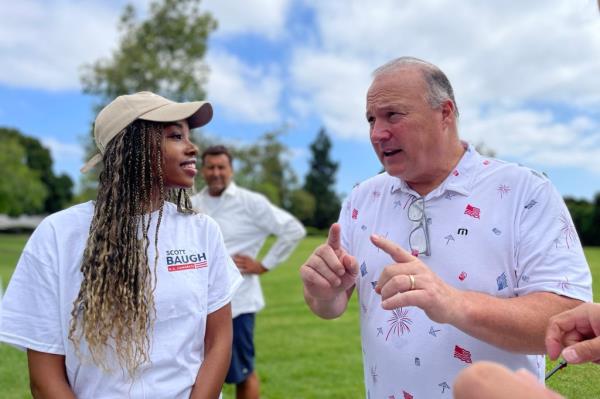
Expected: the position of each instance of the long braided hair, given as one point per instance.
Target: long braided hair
(114, 311)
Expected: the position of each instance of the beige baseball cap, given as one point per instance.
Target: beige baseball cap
(123, 110)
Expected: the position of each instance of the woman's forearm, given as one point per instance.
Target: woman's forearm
(47, 376)
(217, 355)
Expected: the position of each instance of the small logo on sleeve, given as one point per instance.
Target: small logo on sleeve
(179, 259)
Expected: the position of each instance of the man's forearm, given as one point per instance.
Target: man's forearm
(514, 324)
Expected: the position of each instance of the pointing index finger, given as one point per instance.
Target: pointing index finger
(334, 239)
(397, 253)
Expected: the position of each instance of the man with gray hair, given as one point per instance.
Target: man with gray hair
(455, 257)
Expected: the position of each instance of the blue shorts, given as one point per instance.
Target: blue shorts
(242, 352)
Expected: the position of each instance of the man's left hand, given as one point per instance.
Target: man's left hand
(409, 282)
(249, 265)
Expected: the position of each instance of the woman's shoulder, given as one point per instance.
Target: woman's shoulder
(199, 219)
(72, 216)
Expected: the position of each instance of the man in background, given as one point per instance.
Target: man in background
(246, 219)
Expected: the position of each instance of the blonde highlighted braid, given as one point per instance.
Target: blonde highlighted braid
(114, 311)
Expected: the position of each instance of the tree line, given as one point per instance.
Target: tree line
(27, 183)
(31, 187)
(586, 217)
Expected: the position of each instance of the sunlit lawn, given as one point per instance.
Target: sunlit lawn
(298, 355)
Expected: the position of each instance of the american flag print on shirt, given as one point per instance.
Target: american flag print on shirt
(462, 354)
(472, 211)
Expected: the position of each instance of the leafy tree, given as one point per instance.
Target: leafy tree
(60, 192)
(163, 53)
(320, 181)
(21, 190)
(586, 218)
(302, 204)
(594, 223)
(58, 189)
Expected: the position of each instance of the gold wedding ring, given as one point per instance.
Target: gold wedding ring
(412, 282)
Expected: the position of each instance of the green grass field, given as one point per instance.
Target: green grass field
(298, 354)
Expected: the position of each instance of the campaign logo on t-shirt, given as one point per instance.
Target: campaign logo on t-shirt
(181, 259)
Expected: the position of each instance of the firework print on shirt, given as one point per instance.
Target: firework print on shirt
(503, 189)
(399, 322)
(567, 230)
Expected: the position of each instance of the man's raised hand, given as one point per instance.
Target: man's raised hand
(329, 271)
(409, 282)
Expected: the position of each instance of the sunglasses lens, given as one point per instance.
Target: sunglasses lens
(418, 240)
(415, 211)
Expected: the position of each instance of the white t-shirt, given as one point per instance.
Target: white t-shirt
(195, 277)
(495, 228)
(246, 219)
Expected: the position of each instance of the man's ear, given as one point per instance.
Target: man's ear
(448, 115)
(447, 109)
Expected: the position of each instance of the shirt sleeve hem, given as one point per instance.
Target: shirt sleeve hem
(226, 299)
(23, 344)
(579, 293)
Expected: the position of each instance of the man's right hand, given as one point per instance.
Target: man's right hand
(329, 271)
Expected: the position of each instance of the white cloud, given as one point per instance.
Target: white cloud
(62, 150)
(43, 43)
(335, 87)
(243, 92)
(263, 17)
(538, 137)
(510, 57)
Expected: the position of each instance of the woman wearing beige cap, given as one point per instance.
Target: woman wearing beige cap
(128, 295)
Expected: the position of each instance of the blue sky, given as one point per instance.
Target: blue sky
(526, 75)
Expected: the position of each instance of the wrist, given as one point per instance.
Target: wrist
(460, 312)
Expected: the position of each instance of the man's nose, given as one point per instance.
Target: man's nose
(380, 131)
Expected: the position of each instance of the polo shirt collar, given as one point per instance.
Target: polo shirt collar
(230, 190)
(459, 181)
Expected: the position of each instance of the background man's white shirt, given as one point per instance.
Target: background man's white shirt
(246, 219)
